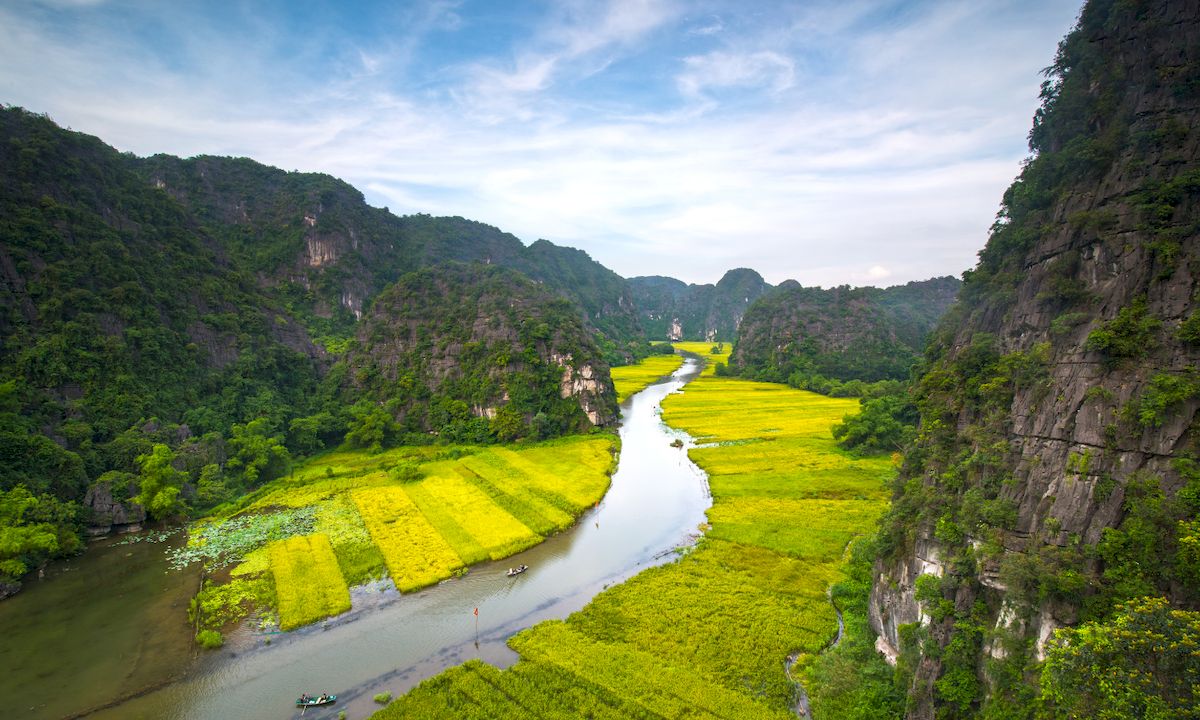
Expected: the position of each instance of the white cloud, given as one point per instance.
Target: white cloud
(714, 26)
(721, 70)
(871, 150)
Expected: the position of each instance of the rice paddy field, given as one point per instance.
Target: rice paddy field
(345, 518)
(632, 379)
(705, 350)
(707, 636)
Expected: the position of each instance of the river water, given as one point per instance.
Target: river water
(107, 638)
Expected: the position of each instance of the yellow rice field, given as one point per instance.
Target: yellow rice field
(632, 379)
(471, 505)
(487, 525)
(415, 552)
(706, 636)
(308, 584)
(704, 350)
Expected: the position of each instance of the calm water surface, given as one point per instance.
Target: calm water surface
(109, 636)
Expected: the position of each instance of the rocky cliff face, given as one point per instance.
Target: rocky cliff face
(1055, 473)
(672, 310)
(111, 511)
(313, 240)
(843, 333)
(471, 347)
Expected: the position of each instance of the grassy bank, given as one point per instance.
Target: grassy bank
(706, 636)
(418, 515)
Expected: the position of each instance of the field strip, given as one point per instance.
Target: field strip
(490, 527)
(308, 583)
(415, 553)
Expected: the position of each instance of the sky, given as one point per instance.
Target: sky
(861, 142)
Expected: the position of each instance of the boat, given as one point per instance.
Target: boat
(315, 700)
(512, 572)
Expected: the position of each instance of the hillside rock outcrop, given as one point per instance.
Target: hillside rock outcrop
(447, 343)
(1055, 472)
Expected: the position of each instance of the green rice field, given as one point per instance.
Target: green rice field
(632, 379)
(707, 636)
(345, 518)
(705, 350)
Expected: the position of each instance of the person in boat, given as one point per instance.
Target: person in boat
(304, 697)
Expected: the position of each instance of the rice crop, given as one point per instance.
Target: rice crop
(308, 584)
(416, 554)
(705, 350)
(467, 517)
(705, 636)
(632, 379)
(472, 505)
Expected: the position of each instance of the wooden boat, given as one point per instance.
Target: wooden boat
(513, 572)
(314, 701)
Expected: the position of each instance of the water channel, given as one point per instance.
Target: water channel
(105, 636)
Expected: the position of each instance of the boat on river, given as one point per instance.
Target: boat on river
(513, 572)
(314, 701)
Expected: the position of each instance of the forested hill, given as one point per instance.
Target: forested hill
(673, 310)
(173, 331)
(1055, 481)
(314, 244)
(793, 333)
(475, 351)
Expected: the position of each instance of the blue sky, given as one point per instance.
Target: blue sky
(852, 141)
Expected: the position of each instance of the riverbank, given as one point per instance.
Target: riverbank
(709, 634)
(389, 641)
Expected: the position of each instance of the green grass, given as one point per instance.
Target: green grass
(632, 379)
(706, 636)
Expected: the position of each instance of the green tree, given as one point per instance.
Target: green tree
(884, 424)
(370, 425)
(257, 454)
(509, 424)
(1142, 663)
(34, 528)
(211, 488)
(160, 483)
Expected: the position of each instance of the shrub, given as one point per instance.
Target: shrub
(210, 639)
(1131, 334)
(383, 698)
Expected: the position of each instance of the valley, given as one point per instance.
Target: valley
(261, 436)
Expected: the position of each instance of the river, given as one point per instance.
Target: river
(115, 643)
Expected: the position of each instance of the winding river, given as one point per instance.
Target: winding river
(105, 636)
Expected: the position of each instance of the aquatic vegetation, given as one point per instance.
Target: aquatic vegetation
(308, 584)
(210, 639)
(382, 698)
(706, 636)
(632, 379)
(217, 605)
(223, 542)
